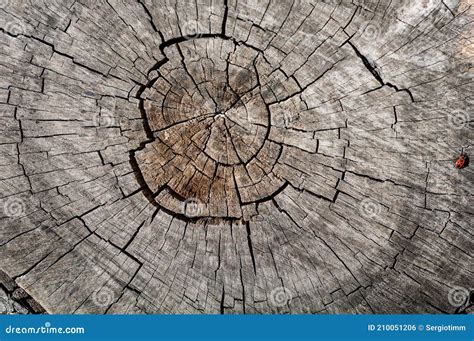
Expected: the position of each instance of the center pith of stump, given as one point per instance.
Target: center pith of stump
(219, 114)
(210, 128)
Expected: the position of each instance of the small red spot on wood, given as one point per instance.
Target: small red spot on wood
(461, 161)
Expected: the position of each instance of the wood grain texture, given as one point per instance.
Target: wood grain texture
(184, 156)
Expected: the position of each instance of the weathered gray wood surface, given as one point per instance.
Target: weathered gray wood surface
(236, 156)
